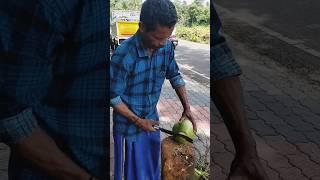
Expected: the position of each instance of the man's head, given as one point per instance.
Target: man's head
(157, 21)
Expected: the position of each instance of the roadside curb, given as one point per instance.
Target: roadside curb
(290, 53)
(205, 81)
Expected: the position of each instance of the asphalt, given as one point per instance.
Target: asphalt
(248, 27)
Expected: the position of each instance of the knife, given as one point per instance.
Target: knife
(171, 133)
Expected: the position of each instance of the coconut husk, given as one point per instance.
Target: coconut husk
(177, 161)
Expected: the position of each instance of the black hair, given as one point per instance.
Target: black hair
(161, 12)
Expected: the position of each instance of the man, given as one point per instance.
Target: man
(138, 69)
(227, 96)
(53, 88)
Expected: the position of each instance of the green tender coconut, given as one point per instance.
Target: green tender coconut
(183, 127)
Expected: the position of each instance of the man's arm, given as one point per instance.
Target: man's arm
(22, 133)
(177, 83)
(228, 97)
(229, 100)
(41, 150)
(30, 142)
(144, 124)
(182, 94)
(28, 41)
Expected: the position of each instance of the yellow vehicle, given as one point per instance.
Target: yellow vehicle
(123, 25)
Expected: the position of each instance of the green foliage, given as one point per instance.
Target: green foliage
(195, 14)
(202, 172)
(125, 4)
(199, 34)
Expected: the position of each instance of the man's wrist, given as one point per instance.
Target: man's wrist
(247, 156)
(135, 120)
(186, 108)
(247, 151)
(245, 144)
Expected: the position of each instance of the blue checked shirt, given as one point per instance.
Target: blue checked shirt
(222, 63)
(53, 75)
(136, 80)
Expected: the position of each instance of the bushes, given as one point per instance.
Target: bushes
(200, 34)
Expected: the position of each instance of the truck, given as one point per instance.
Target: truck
(123, 25)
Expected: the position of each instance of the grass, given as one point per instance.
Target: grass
(199, 34)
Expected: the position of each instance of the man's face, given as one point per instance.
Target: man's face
(155, 39)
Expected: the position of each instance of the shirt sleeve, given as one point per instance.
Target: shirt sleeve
(118, 78)
(223, 63)
(28, 38)
(172, 72)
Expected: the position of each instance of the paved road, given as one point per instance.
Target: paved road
(295, 19)
(283, 112)
(194, 60)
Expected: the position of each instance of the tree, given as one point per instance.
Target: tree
(126, 4)
(198, 2)
(181, 11)
(197, 13)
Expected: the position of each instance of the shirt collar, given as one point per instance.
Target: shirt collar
(142, 51)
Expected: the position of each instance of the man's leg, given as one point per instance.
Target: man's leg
(143, 157)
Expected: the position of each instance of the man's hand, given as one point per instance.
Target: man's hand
(146, 124)
(188, 114)
(247, 169)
